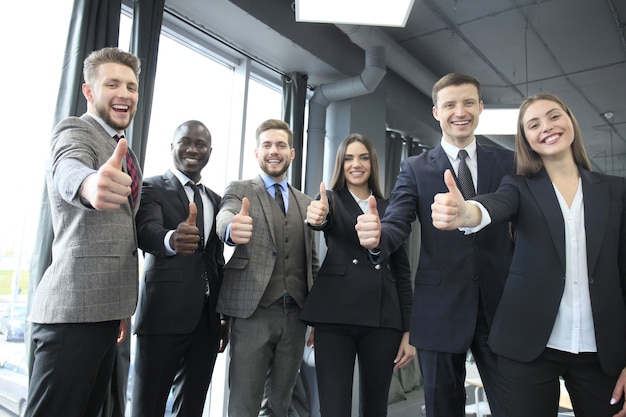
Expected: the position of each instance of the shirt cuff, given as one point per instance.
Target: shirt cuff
(166, 242)
(484, 221)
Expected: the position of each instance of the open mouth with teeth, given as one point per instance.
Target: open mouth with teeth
(550, 139)
(120, 108)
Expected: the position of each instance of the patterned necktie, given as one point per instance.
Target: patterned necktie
(465, 177)
(197, 198)
(133, 172)
(278, 196)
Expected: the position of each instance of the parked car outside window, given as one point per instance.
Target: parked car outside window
(12, 325)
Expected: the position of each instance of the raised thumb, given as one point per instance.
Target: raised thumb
(371, 201)
(245, 206)
(323, 197)
(193, 213)
(448, 178)
(119, 154)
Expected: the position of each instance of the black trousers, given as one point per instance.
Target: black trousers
(182, 362)
(72, 368)
(532, 389)
(336, 348)
(444, 376)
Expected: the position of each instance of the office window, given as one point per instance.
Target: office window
(264, 102)
(32, 70)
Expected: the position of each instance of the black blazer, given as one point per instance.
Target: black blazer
(349, 289)
(453, 268)
(172, 289)
(535, 284)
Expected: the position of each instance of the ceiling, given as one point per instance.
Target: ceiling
(573, 48)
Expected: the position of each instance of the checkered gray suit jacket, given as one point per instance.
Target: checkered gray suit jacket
(93, 276)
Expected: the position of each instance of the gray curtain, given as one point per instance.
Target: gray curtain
(294, 102)
(146, 30)
(94, 25)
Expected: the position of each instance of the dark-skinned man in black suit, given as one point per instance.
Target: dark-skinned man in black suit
(179, 334)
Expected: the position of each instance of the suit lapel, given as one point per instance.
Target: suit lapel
(486, 162)
(264, 199)
(172, 184)
(596, 202)
(544, 195)
(439, 161)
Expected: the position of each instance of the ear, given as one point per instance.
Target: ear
(482, 106)
(292, 153)
(436, 113)
(87, 92)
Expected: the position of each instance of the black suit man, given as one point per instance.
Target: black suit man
(179, 334)
(460, 278)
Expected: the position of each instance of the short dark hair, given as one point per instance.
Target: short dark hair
(454, 78)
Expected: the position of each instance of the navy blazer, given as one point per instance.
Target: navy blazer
(349, 289)
(536, 281)
(172, 289)
(455, 271)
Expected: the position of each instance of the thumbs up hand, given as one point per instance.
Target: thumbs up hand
(449, 210)
(241, 225)
(108, 188)
(368, 226)
(186, 237)
(318, 209)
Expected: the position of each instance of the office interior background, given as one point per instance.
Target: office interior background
(224, 62)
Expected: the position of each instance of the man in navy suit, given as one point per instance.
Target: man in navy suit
(459, 280)
(179, 333)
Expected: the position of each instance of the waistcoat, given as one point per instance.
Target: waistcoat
(289, 274)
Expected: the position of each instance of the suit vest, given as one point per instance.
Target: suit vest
(289, 274)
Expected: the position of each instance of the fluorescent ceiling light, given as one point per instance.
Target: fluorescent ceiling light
(354, 12)
(497, 122)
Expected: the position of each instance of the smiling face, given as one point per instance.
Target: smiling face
(191, 149)
(113, 95)
(548, 129)
(357, 167)
(457, 110)
(274, 154)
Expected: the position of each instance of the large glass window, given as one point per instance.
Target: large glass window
(264, 102)
(31, 71)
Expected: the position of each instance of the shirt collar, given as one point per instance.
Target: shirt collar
(453, 151)
(269, 182)
(112, 132)
(182, 177)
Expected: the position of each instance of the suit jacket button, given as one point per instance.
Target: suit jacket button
(135, 252)
(355, 261)
(377, 267)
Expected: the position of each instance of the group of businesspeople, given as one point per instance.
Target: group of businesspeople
(533, 283)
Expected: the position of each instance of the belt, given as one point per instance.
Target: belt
(285, 300)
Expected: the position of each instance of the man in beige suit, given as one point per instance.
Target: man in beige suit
(267, 278)
(91, 285)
